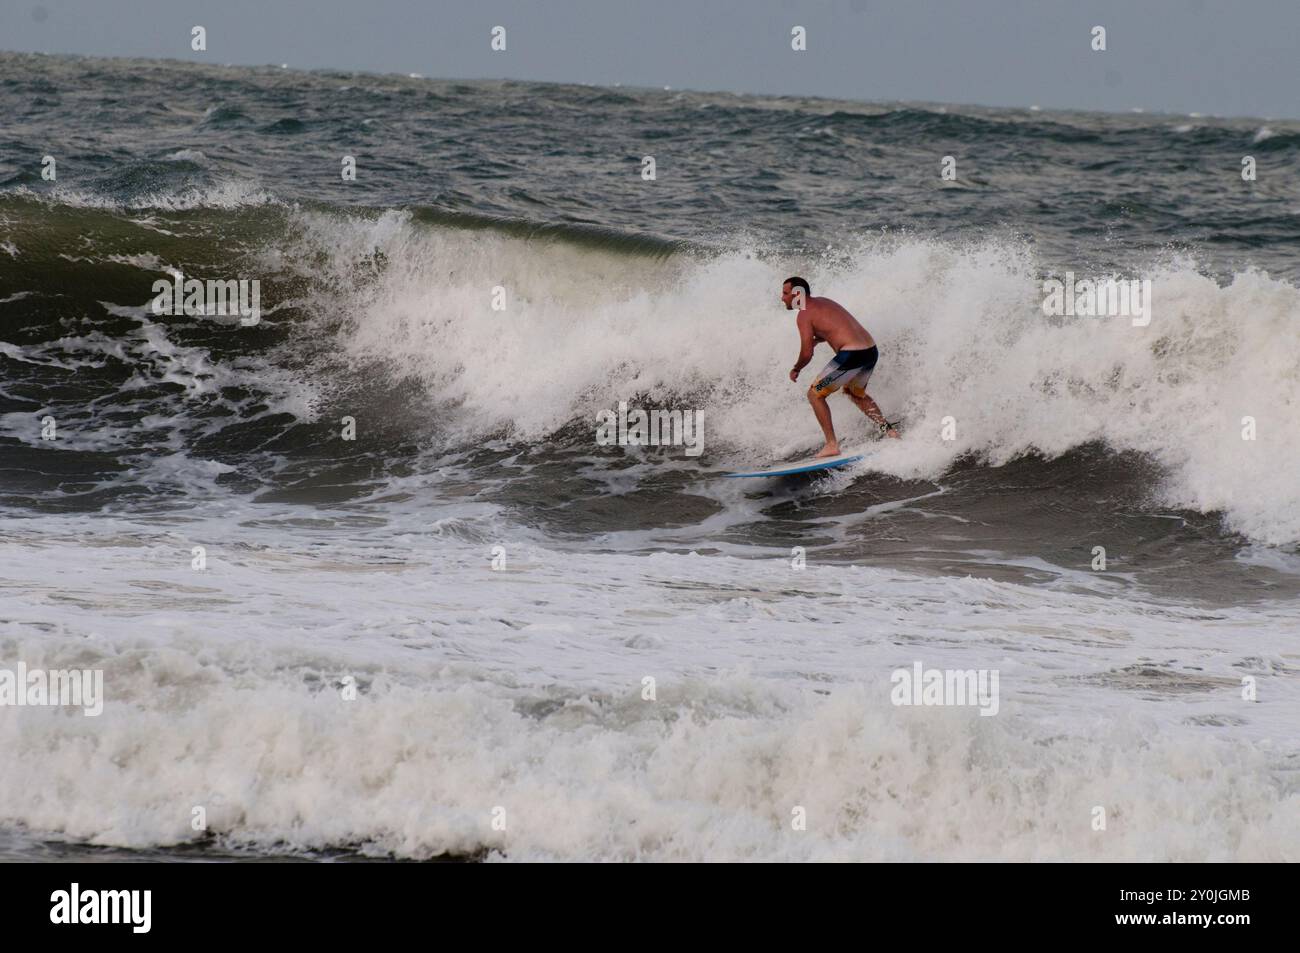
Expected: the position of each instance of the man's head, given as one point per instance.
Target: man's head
(795, 293)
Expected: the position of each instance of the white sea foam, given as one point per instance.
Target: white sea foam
(522, 690)
(226, 193)
(187, 155)
(961, 331)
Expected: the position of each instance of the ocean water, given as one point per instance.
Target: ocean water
(474, 632)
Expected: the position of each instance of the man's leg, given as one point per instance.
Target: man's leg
(872, 410)
(823, 412)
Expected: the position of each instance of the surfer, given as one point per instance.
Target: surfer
(821, 319)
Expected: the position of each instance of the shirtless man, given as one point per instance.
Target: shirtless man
(821, 319)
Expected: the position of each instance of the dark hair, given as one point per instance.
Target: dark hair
(798, 283)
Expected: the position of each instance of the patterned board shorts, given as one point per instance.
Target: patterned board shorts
(848, 369)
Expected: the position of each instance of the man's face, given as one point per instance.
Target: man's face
(787, 296)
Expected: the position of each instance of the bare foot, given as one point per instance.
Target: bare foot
(832, 449)
(891, 432)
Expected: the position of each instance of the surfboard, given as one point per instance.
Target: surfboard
(803, 466)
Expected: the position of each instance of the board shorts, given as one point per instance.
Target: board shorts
(848, 369)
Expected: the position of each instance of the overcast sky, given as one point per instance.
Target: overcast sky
(1217, 57)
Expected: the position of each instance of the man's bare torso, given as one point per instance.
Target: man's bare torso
(834, 325)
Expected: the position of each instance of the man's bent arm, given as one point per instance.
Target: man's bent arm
(806, 345)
